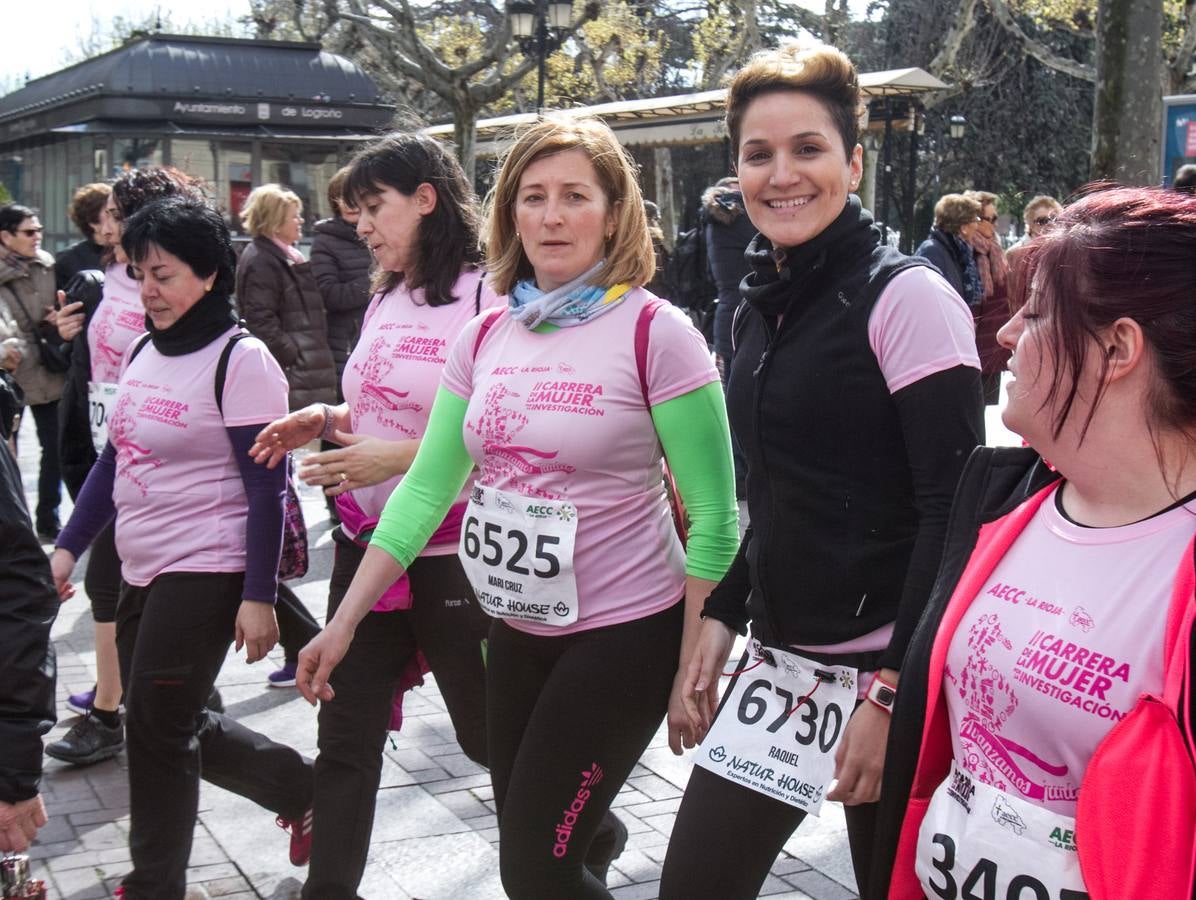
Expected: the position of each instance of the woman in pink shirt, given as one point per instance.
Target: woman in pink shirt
(565, 400)
(104, 333)
(1046, 681)
(198, 532)
(419, 218)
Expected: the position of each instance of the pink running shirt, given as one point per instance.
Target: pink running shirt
(1058, 646)
(393, 374)
(118, 319)
(561, 415)
(180, 502)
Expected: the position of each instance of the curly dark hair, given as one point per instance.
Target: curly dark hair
(86, 206)
(448, 236)
(138, 187)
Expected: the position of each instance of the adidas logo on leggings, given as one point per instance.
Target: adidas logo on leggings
(564, 828)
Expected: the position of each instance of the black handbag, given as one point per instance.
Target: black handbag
(53, 352)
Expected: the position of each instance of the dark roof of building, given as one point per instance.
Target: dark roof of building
(182, 66)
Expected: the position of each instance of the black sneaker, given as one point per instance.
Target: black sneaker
(89, 741)
(215, 702)
(607, 845)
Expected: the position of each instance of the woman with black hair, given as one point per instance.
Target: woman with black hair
(100, 318)
(199, 532)
(419, 218)
(27, 317)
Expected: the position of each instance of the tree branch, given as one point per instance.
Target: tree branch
(962, 23)
(1036, 48)
(1180, 68)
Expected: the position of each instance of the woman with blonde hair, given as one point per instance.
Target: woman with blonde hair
(854, 393)
(566, 401)
(279, 298)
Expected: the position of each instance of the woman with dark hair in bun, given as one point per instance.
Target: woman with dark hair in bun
(199, 533)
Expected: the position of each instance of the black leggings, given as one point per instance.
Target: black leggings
(567, 719)
(102, 581)
(172, 637)
(296, 626)
(727, 836)
(448, 626)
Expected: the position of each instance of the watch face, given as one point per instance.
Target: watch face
(885, 696)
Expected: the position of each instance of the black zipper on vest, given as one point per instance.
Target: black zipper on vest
(771, 332)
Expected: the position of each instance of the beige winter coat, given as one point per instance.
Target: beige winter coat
(34, 293)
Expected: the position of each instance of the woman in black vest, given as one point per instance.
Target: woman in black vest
(855, 394)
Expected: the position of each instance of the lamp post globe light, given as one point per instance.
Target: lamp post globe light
(532, 20)
(956, 126)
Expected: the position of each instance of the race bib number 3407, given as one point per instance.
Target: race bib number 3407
(779, 726)
(517, 553)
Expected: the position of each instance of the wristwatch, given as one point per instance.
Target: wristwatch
(882, 694)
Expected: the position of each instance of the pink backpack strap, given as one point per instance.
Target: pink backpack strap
(643, 325)
(487, 323)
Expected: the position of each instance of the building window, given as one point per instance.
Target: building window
(304, 170)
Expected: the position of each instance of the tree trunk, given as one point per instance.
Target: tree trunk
(465, 136)
(867, 189)
(663, 159)
(1127, 113)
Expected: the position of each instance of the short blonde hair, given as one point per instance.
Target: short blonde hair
(953, 211)
(822, 71)
(629, 255)
(984, 198)
(267, 209)
(1037, 203)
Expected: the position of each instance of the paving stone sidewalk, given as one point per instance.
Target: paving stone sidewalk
(435, 835)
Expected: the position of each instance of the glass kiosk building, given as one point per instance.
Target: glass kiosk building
(236, 113)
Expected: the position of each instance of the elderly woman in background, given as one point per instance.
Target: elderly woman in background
(27, 317)
(956, 218)
(993, 310)
(87, 206)
(280, 300)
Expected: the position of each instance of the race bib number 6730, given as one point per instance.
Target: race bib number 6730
(779, 726)
(517, 553)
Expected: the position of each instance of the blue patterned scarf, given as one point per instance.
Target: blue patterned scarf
(571, 304)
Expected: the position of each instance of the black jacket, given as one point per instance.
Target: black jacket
(937, 249)
(341, 263)
(848, 485)
(28, 606)
(281, 305)
(728, 233)
(86, 254)
(76, 453)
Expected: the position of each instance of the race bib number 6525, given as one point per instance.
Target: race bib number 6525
(517, 553)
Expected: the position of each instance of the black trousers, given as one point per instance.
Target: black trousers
(567, 718)
(172, 637)
(727, 836)
(448, 626)
(296, 626)
(49, 477)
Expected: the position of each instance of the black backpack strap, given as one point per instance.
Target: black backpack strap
(139, 346)
(222, 367)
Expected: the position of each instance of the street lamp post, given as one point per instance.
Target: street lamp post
(533, 20)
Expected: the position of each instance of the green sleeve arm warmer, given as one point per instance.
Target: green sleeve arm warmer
(696, 439)
(422, 499)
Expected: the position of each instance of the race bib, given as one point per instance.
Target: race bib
(101, 401)
(979, 843)
(517, 553)
(779, 725)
